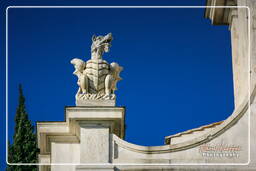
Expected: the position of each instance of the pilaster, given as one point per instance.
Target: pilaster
(94, 143)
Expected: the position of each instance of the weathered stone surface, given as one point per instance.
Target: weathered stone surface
(95, 102)
(94, 143)
(229, 146)
(83, 138)
(96, 78)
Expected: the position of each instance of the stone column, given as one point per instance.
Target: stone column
(242, 64)
(234, 30)
(252, 6)
(237, 19)
(238, 22)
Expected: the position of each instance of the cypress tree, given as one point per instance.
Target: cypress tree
(24, 147)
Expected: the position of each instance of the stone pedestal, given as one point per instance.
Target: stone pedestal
(83, 138)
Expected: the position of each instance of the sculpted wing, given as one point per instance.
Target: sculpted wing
(79, 64)
(115, 69)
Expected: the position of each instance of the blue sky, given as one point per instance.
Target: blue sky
(177, 66)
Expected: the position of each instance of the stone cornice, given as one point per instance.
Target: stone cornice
(217, 14)
(68, 131)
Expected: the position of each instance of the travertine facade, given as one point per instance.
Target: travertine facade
(91, 137)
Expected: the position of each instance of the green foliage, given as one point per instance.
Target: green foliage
(24, 147)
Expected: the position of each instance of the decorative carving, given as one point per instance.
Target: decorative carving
(100, 44)
(96, 78)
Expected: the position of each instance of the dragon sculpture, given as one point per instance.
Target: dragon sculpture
(96, 78)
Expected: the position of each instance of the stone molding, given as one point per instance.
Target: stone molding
(228, 123)
(68, 130)
(53, 134)
(218, 15)
(233, 14)
(191, 131)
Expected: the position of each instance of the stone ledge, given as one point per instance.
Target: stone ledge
(90, 102)
(95, 168)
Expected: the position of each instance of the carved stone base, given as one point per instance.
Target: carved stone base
(90, 102)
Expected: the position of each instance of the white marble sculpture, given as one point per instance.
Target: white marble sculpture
(96, 78)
